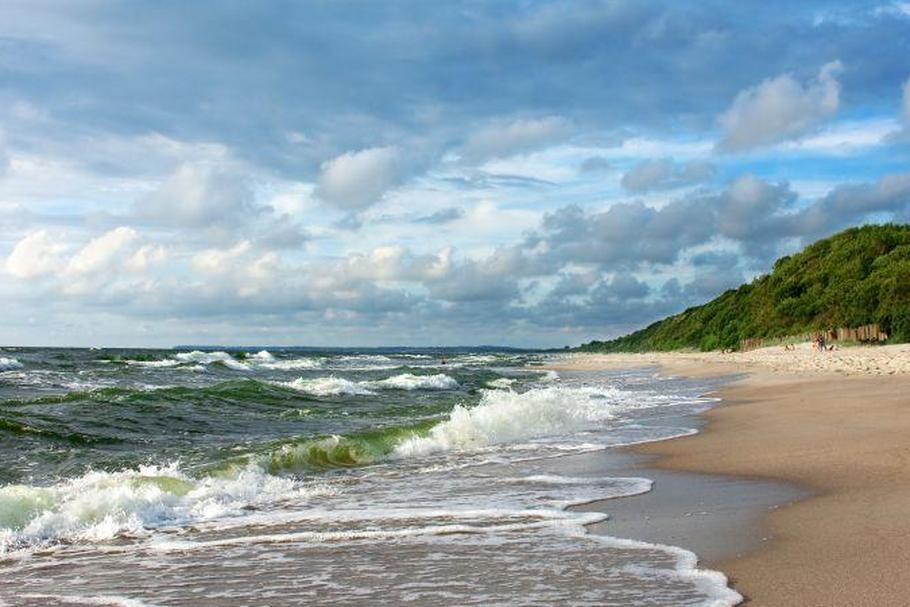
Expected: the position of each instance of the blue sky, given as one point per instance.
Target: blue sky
(366, 173)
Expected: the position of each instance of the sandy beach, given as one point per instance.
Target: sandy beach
(833, 423)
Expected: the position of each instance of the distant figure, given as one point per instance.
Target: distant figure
(821, 343)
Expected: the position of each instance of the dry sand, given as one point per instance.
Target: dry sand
(834, 426)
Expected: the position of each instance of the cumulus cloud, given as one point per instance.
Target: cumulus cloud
(665, 174)
(198, 196)
(35, 255)
(100, 253)
(502, 139)
(780, 108)
(850, 204)
(627, 233)
(356, 180)
(241, 270)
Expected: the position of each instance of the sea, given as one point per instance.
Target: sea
(275, 477)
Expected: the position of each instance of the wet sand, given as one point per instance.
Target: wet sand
(844, 440)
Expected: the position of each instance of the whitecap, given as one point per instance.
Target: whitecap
(408, 381)
(9, 364)
(206, 358)
(503, 383)
(327, 386)
(154, 364)
(102, 505)
(505, 417)
(293, 364)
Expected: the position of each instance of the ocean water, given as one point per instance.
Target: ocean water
(275, 478)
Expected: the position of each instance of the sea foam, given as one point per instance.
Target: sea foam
(9, 364)
(328, 386)
(503, 417)
(102, 505)
(207, 358)
(408, 381)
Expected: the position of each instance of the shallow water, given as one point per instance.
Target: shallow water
(276, 478)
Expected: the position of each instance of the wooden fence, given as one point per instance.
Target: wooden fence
(865, 333)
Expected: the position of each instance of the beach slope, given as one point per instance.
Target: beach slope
(839, 427)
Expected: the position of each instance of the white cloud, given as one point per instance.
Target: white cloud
(103, 252)
(217, 261)
(198, 195)
(35, 255)
(356, 180)
(242, 270)
(780, 108)
(843, 138)
(145, 257)
(906, 105)
(504, 139)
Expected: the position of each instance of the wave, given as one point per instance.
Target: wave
(503, 383)
(548, 376)
(207, 358)
(504, 417)
(293, 364)
(262, 356)
(327, 386)
(104, 505)
(337, 451)
(9, 364)
(408, 381)
(154, 364)
(335, 386)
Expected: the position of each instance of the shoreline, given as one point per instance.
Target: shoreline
(838, 431)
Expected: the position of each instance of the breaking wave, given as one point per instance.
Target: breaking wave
(207, 358)
(327, 386)
(503, 417)
(333, 385)
(408, 381)
(9, 364)
(104, 505)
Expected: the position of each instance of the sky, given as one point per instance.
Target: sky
(346, 173)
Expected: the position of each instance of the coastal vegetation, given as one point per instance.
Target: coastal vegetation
(857, 277)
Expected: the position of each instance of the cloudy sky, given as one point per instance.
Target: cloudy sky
(428, 173)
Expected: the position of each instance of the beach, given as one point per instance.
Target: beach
(834, 424)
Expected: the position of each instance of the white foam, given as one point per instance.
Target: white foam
(505, 417)
(207, 358)
(476, 359)
(9, 364)
(103, 505)
(408, 381)
(262, 356)
(364, 362)
(549, 376)
(293, 364)
(327, 386)
(503, 383)
(154, 364)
